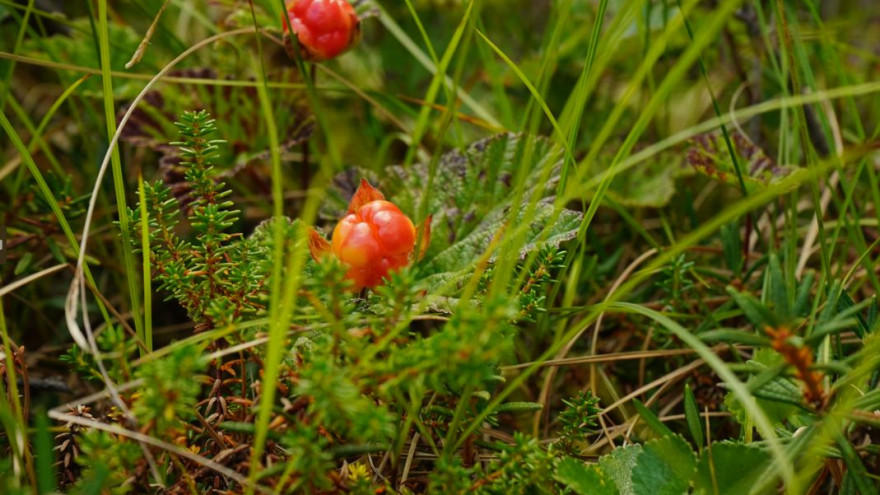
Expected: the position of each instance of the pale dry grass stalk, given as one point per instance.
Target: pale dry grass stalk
(827, 193)
(6, 289)
(544, 397)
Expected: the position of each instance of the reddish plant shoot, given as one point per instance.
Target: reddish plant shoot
(373, 239)
(324, 28)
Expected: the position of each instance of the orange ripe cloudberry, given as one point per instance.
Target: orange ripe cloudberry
(372, 239)
(323, 28)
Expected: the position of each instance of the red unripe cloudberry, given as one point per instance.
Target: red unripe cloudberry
(372, 240)
(323, 28)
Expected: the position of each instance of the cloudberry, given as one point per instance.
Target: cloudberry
(323, 28)
(372, 239)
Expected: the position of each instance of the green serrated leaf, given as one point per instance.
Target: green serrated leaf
(709, 155)
(649, 185)
(619, 464)
(665, 467)
(471, 198)
(778, 389)
(777, 411)
(463, 253)
(584, 479)
(470, 183)
(728, 468)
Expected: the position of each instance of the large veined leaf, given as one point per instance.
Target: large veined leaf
(464, 252)
(648, 183)
(730, 469)
(780, 390)
(665, 467)
(471, 195)
(709, 155)
(776, 397)
(585, 479)
(619, 464)
(472, 185)
(651, 184)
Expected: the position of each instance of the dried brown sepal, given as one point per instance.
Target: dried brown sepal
(364, 194)
(318, 246)
(801, 358)
(424, 237)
